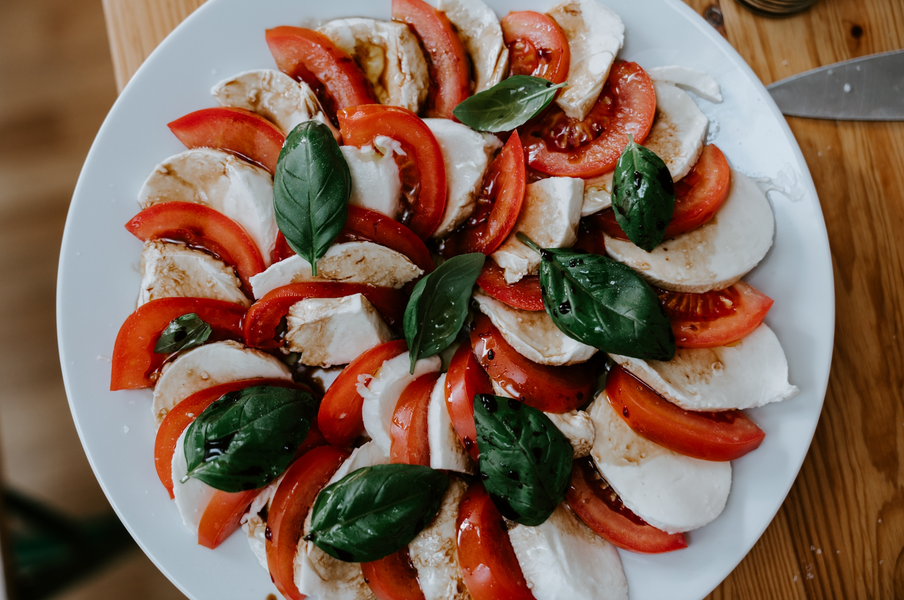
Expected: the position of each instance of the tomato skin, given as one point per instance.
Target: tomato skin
(560, 146)
(233, 130)
(290, 505)
(134, 360)
(464, 380)
(525, 294)
(537, 45)
(393, 577)
(488, 562)
(408, 432)
(715, 436)
(599, 507)
(446, 57)
(548, 388)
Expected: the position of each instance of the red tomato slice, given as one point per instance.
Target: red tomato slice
(525, 294)
(393, 577)
(233, 130)
(201, 226)
(339, 417)
(716, 318)
(595, 502)
(498, 205)
(134, 359)
(263, 319)
(408, 432)
(537, 45)
(488, 562)
(310, 56)
(560, 146)
(550, 389)
(424, 173)
(450, 81)
(464, 380)
(291, 503)
(716, 436)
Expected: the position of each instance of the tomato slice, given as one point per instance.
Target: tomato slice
(561, 146)
(464, 380)
(498, 205)
(291, 503)
(264, 317)
(450, 81)
(393, 577)
(201, 226)
(233, 130)
(525, 294)
(488, 562)
(408, 432)
(716, 436)
(537, 45)
(425, 169)
(550, 389)
(595, 502)
(716, 318)
(134, 359)
(312, 57)
(590, 236)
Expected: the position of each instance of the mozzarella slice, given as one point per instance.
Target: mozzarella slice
(595, 35)
(666, 489)
(713, 256)
(382, 392)
(562, 559)
(241, 191)
(698, 82)
(750, 373)
(434, 552)
(446, 450)
(390, 56)
(481, 35)
(375, 176)
(597, 194)
(210, 365)
(549, 216)
(351, 262)
(533, 334)
(193, 496)
(679, 131)
(176, 271)
(254, 522)
(326, 377)
(466, 154)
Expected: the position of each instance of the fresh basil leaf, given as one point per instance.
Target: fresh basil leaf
(525, 461)
(183, 333)
(439, 304)
(311, 188)
(246, 439)
(375, 511)
(509, 104)
(643, 195)
(603, 303)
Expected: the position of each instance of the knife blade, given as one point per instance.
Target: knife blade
(870, 88)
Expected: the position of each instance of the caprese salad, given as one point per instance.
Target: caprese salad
(451, 306)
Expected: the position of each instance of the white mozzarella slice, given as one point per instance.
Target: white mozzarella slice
(562, 559)
(390, 56)
(193, 496)
(748, 374)
(434, 552)
(533, 334)
(171, 270)
(679, 131)
(334, 331)
(597, 194)
(219, 180)
(549, 216)
(713, 256)
(375, 176)
(382, 392)
(481, 35)
(254, 522)
(667, 490)
(351, 262)
(466, 154)
(702, 84)
(210, 365)
(446, 450)
(595, 35)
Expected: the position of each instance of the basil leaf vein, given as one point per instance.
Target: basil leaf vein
(509, 104)
(643, 195)
(183, 333)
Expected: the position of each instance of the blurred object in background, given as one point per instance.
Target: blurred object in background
(777, 8)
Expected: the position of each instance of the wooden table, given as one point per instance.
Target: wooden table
(840, 533)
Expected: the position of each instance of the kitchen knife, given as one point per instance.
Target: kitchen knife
(870, 88)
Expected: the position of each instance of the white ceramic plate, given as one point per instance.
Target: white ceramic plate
(98, 282)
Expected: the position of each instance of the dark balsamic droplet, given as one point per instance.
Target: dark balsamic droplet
(469, 443)
(512, 475)
(638, 179)
(268, 534)
(484, 476)
(538, 453)
(514, 404)
(546, 255)
(490, 354)
(489, 403)
(580, 395)
(573, 263)
(565, 307)
(473, 325)
(624, 411)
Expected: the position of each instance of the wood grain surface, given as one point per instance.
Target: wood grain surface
(840, 533)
